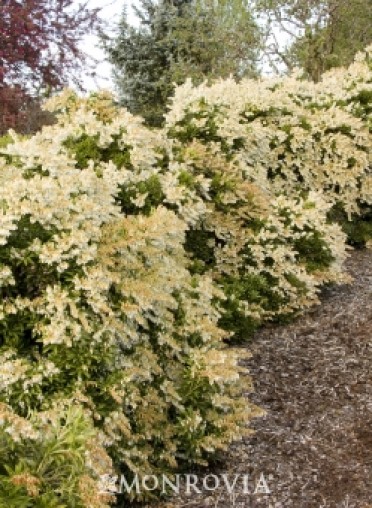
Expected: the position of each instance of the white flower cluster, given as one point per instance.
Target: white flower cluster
(288, 134)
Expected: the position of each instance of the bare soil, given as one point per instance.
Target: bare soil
(314, 379)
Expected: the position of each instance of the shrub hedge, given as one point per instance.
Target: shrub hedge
(129, 256)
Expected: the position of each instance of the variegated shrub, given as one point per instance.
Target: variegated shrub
(99, 314)
(129, 255)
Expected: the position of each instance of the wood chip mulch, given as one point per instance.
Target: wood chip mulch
(314, 379)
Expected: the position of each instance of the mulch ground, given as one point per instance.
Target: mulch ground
(314, 379)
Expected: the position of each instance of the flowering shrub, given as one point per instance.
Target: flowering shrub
(128, 256)
(270, 254)
(286, 134)
(351, 89)
(278, 137)
(100, 314)
(249, 248)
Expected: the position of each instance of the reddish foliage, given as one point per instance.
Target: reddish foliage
(10, 100)
(39, 48)
(21, 112)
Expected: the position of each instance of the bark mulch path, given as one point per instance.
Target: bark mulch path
(314, 378)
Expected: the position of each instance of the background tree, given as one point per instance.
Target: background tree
(216, 39)
(200, 39)
(39, 50)
(319, 34)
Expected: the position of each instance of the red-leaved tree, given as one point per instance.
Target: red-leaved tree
(39, 50)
